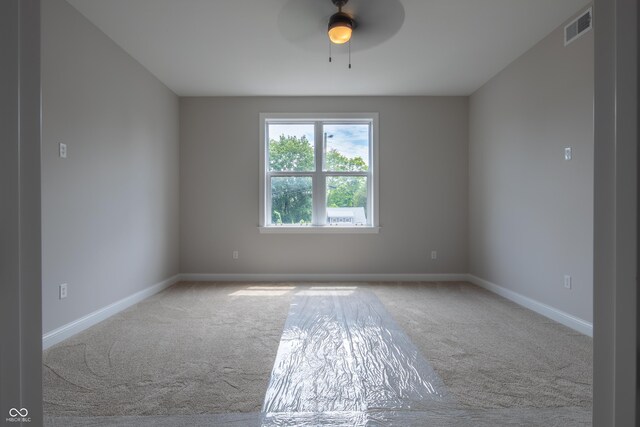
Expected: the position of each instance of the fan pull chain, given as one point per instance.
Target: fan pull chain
(329, 50)
(349, 53)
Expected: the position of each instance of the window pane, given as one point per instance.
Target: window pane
(346, 147)
(346, 200)
(291, 200)
(291, 147)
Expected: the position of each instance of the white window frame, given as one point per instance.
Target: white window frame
(318, 176)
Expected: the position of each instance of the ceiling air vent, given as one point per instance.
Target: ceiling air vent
(578, 27)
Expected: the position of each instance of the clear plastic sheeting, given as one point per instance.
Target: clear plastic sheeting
(441, 417)
(350, 419)
(343, 360)
(449, 417)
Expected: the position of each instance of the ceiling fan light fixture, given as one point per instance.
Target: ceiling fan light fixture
(340, 28)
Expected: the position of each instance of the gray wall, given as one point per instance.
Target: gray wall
(110, 210)
(20, 249)
(423, 189)
(531, 212)
(616, 344)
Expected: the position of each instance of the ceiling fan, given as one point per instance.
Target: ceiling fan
(340, 28)
(357, 24)
(341, 24)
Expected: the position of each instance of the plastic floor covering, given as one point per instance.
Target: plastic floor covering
(343, 360)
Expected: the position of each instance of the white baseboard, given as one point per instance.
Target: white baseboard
(195, 277)
(66, 331)
(552, 313)
(79, 325)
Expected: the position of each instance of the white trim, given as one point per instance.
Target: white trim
(322, 229)
(319, 175)
(233, 277)
(66, 331)
(307, 117)
(262, 167)
(374, 162)
(552, 313)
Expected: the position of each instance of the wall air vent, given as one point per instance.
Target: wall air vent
(578, 27)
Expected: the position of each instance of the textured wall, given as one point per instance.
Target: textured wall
(110, 210)
(531, 212)
(423, 189)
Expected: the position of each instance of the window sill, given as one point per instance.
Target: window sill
(318, 230)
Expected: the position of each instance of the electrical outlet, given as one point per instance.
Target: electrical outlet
(567, 281)
(568, 153)
(62, 291)
(62, 150)
(236, 255)
(434, 254)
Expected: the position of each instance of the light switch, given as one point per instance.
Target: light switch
(63, 150)
(567, 153)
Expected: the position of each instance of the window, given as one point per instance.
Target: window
(318, 173)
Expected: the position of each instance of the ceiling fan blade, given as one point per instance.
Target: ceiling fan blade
(378, 20)
(302, 19)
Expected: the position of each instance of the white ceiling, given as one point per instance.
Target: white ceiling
(247, 47)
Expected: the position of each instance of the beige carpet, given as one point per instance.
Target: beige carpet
(490, 352)
(189, 349)
(208, 348)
